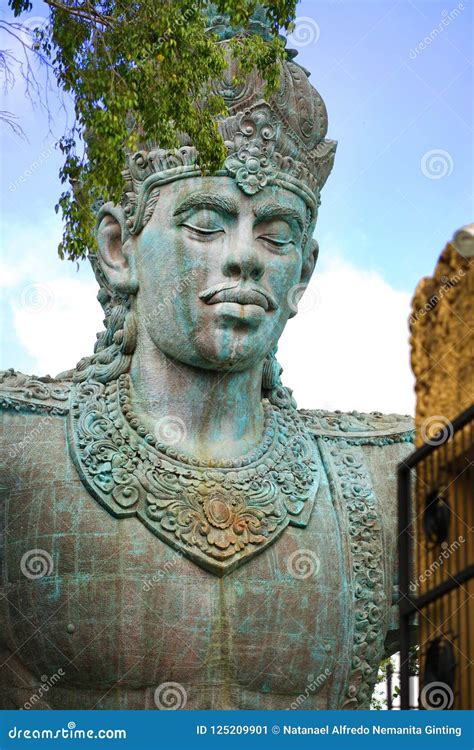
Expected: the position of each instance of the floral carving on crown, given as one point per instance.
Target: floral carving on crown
(251, 150)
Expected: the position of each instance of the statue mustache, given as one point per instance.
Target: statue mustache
(239, 293)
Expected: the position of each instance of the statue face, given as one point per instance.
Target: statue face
(224, 266)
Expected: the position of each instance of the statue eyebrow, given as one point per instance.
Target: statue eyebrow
(275, 211)
(210, 201)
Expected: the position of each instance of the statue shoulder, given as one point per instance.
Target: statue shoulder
(359, 428)
(30, 393)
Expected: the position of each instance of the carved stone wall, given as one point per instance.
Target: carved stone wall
(442, 344)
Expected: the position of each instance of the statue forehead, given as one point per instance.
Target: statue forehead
(198, 190)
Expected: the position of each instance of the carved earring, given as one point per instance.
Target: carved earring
(271, 371)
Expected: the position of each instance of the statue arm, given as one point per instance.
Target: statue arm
(386, 439)
(384, 463)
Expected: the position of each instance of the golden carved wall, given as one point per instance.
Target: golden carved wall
(442, 341)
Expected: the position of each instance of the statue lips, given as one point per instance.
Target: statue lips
(239, 294)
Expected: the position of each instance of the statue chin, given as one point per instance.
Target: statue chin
(237, 340)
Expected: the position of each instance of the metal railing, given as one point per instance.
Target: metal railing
(436, 521)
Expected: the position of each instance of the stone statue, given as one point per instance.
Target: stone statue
(177, 534)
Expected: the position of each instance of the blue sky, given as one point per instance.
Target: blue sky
(387, 110)
(397, 81)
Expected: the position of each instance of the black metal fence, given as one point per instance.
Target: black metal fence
(436, 570)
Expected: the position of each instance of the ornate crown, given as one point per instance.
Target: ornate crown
(276, 142)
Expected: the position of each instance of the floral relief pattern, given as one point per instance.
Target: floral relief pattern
(44, 394)
(359, 517)
(253, 147)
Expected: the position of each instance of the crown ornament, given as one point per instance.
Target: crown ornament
(276, 142)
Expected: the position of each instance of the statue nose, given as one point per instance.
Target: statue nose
(244, 265)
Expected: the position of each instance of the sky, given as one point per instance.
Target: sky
(396, 78)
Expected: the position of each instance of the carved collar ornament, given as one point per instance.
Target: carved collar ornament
(218, 514)
(280, 142)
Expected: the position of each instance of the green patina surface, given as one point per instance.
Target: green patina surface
(175, 528)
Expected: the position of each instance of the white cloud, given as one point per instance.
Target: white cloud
(56, 321)
(50, 306)
(348, 346)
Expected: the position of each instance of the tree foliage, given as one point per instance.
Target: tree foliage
(141, 66)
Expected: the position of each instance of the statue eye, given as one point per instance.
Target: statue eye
(202, 231)
(277, 243)
(203, 225)
(277, 235)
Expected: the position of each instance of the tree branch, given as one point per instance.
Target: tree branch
(91, 15)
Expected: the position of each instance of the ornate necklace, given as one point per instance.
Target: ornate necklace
(125, 401)
(217, 513)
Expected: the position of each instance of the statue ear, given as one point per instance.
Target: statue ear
(114, 249)
(311, 253)
(310, 256)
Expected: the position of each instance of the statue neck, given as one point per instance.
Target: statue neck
(203, 413)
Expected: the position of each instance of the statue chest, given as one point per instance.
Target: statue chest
(121, 612)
